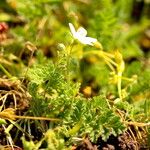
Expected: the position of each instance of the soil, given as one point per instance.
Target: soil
(122, 142)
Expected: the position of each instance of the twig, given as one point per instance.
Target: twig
(139, 124)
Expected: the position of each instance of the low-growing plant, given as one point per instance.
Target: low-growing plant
(55, 94)
(60, 88)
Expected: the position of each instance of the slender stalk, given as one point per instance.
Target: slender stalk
(101, 54)
(8, 135)
(109, 59)
(36, 118)
(110, 65)
(5, 71)
(139, 124)
(108, 54)
(69, 50)
(119, 85)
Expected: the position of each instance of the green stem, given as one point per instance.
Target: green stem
(5, 71)
(127, 79)
(110, 65)
(119, 85)
(8, 136)
(108, 54)
(101, 54)
(69, 50)
(109, 60)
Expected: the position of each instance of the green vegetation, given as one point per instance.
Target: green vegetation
(72, 71)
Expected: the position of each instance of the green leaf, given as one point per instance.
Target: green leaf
(2, 121)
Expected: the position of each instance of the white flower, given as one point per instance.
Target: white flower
(80, 35)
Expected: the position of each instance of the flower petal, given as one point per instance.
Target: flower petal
(86, 40)
(81, 31)
(72, 29)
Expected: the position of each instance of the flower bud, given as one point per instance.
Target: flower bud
(98, 45)
(61, 47)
